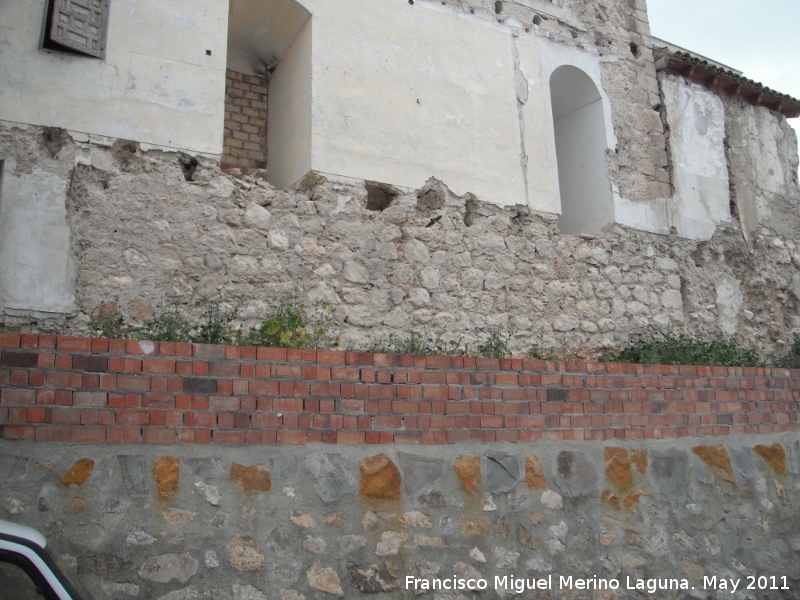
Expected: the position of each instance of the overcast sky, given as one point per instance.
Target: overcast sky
(761, 39)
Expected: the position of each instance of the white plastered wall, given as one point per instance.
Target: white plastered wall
(289, 118)
(701, 199)
(586, 203)
(538, 60)
(402, 93)
(156, 84)
(36, 271)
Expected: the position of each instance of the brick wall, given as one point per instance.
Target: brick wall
(245, 122)
(97, 390)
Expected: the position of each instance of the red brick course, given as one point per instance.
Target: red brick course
(111, 391)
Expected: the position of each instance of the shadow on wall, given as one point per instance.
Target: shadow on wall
(586, 201)
(268, 88)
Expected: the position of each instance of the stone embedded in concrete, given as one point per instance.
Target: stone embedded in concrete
(608, 538)
(168, 567)
(576, 472)
(283, 467)
(210, 493)
(188, 593)
(103, 473)
(114, 589)
(14, 506)
(434, 499)
(611, 498)
(77, 505)
(632, 499)
(473, 526)
(368, 579)
(793, 462)
(291, 595)
(351, 543)
(210, 559)
(534, 475)
(639, 459)
(254, 478)
(331, 475)
(464, 571)
(175, 516)
(247, 592)
(278, 539)
(505, 559)
(502, 471)
(701, 471)
(416, 519)
(669, 470)
(421, 541)
(618, 466)
(304, 520)
(501, 527)
(315, 545)
(743, 461)
(12, 468)
(286, 569)
(476, 555)
(717, 459)
(325, 580)
(380, 478)
(333, 519)
(390, 543)
(134, 474)
(243, 554)
(140, 538)
(205, 468)
(425, 569)
(166, 471)
(220, 520)
(526, 539)
(419, 471)
(78, 473)
(488, 503)
(468, 470)
(552, 500)
(773, 455)
(537, 518)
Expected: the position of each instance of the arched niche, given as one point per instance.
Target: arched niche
(580, 135)
(268, 88)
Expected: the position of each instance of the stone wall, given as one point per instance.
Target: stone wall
(141, 237)
(256, 523)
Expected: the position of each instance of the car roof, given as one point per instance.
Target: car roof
(20, 531)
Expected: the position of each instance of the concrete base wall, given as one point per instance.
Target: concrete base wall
(258, 523)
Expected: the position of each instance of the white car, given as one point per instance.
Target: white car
(30, 569)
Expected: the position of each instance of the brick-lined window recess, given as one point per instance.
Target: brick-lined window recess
(245, 122)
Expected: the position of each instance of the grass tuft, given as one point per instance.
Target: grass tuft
(667, 349)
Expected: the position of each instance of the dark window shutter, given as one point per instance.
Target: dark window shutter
(79, 25)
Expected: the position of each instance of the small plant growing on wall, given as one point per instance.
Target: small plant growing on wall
(293, 326)
(495, 345)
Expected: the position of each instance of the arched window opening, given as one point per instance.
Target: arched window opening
(580, 134)
(268, 88)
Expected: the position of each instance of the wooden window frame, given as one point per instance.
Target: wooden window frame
(76, 27)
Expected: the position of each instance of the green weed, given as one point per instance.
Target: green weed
(667, 349)
(292, 326)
